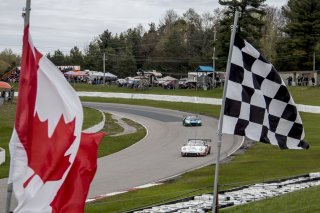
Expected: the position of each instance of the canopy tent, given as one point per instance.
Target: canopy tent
(167, 78)
(208, 69)
(5, 85)
(94, 74)
(78, 73)
(110, 75)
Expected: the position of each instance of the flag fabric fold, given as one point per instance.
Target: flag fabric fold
(258, 104)
(73, 193)
(47, 132)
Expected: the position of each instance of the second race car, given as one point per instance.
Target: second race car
(196, 147)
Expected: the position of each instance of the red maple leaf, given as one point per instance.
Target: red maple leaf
(46, 156)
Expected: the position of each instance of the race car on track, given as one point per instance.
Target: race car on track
(191, 120)
(196, 147)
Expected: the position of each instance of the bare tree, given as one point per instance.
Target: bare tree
(169, 18)
(274, 23)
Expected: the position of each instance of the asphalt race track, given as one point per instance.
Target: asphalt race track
(157, 156)
(154, 158)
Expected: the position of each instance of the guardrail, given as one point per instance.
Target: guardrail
(2, 155)
(175, 98)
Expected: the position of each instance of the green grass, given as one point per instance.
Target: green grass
(215, 93)
(7, 114)
(204, 109)
(107, 146)
(110, 144)
(306, 95)
(301, 94)
(111, 126)
(304, 201)
(260, 163)
(91, 117)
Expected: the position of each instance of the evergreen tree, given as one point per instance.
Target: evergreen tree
(301, 35)
(57, 58)
(105, 40)
(250, 23)
(126, 64)
(4, 66)
(8, 60)
(93, 57)
(172, 47)
(148, 45)
(76, 57)
(133, 42)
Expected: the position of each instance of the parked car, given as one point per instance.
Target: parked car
(192, 120)
(187, 85)
(196, 147)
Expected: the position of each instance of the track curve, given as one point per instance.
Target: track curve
(157, 156)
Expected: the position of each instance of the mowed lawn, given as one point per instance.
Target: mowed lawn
(7, 114)
(260, 163)
(151, 90)
(107, 146)
(301, 94)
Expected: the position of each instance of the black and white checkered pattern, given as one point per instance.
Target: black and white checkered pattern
(258, 105)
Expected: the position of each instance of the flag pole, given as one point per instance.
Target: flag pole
(26, 16)
(215, 202)
(104, 69)
(9, 196)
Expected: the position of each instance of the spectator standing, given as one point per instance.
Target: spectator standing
(306, 81)
(289, 81)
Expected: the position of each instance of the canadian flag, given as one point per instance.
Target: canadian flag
(45, 143)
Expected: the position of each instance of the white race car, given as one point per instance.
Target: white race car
(196, 147)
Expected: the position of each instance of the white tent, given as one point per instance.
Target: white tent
(110, 75)
(165, 79)
(95, 74)
(73, 73)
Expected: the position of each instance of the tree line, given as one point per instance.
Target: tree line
(287, 36)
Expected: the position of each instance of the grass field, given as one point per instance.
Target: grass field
(155, 90)
(304, 201)
(111, 125)
(301, 94)
(260, 163)
(7, 113)
(107, 146)
(110, 144)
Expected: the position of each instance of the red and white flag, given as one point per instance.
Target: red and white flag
(47, 132)
(73, 193)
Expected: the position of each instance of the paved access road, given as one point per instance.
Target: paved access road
(157, 156)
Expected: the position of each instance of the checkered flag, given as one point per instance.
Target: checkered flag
(258, 105)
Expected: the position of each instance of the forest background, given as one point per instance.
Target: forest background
(289, 37)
